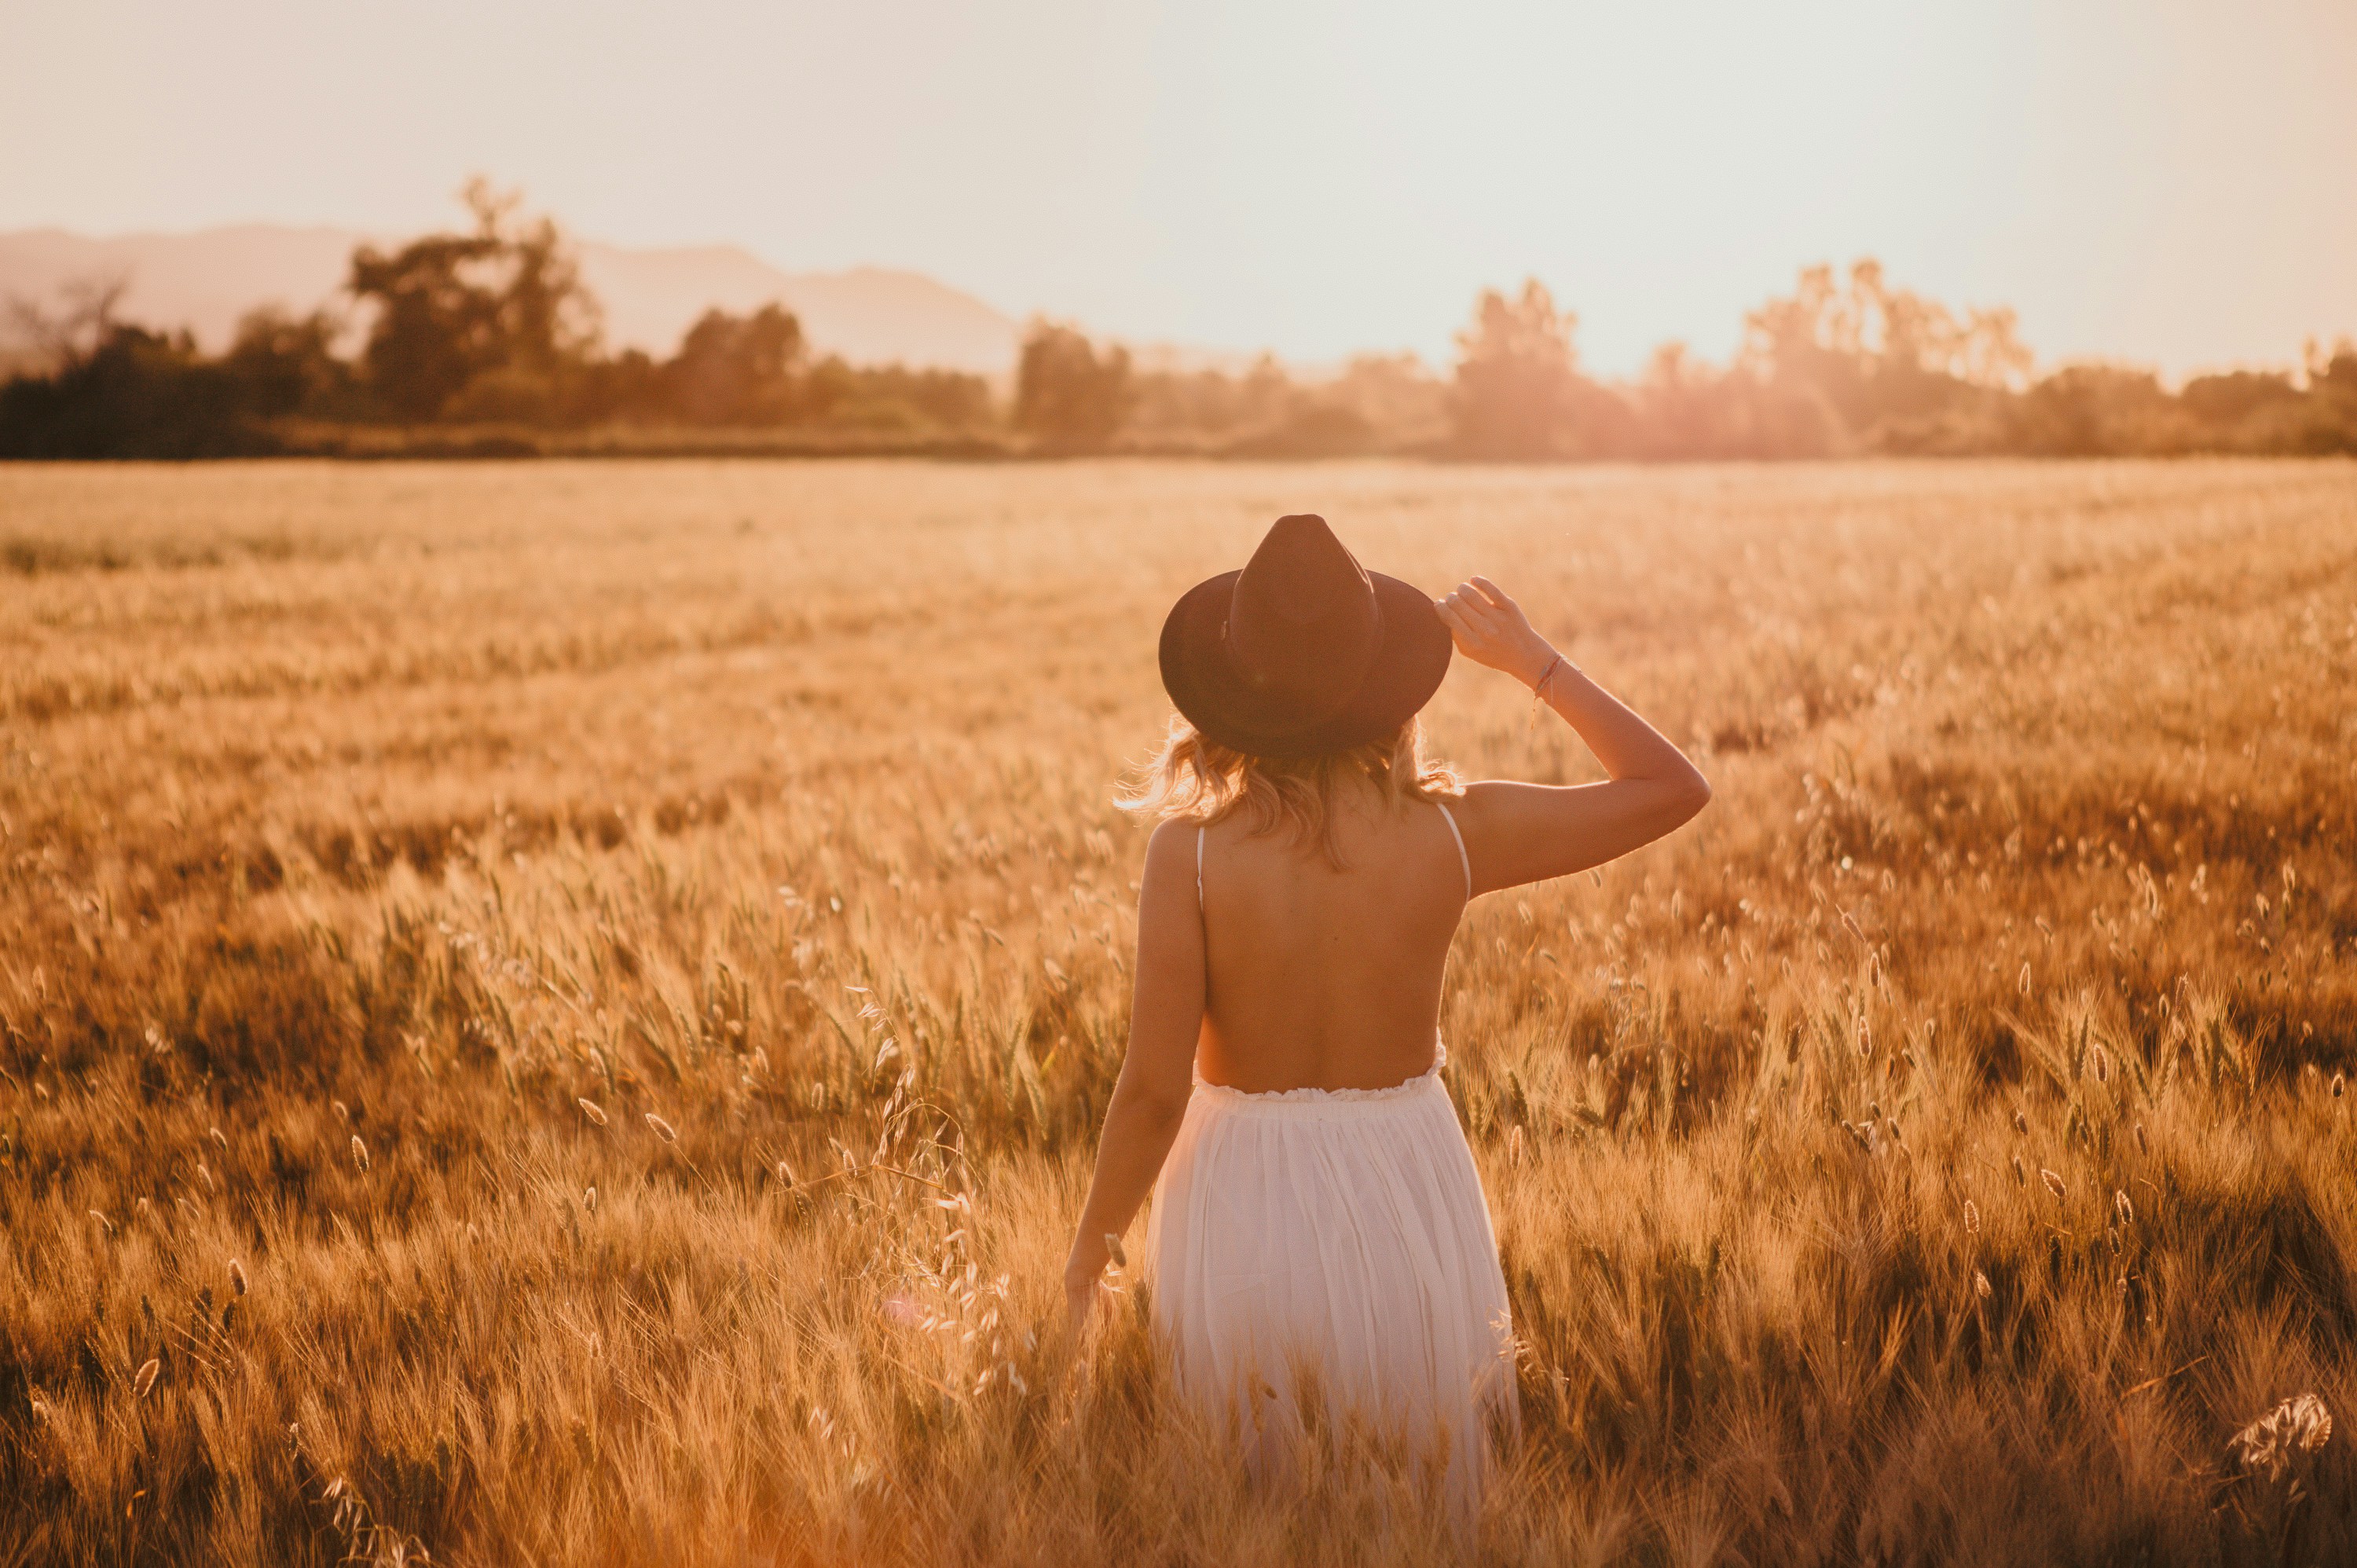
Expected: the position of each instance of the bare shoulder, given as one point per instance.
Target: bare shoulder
(1485, 799)
(1166, 900)
(1169, 847)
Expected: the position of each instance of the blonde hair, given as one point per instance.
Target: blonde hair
(1195, 779)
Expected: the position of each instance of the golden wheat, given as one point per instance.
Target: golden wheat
(376, 840)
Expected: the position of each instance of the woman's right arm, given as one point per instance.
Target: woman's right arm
(1149, 1099)
(1529, 832)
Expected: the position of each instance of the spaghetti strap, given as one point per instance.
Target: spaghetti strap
(1462, 858)
(1198, 870)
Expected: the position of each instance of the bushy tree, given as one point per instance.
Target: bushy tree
(287, 364)
(2332, 372)
(504, 301)
(137, 393)
(2092, 410)
(1068, 396)
(1685, 408)
(435, 327)
(1398, 397)
(1378, 404)
(736, 370)
(894, 397)
(1880, 355)
(1517, 386)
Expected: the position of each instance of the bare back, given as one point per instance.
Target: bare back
(1283, 972)
(1316, 978)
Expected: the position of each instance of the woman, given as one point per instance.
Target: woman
(1316, 1210)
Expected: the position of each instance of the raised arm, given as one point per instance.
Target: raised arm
(1149, 1099)
(1528, 832)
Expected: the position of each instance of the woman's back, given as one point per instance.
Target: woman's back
(1324, 977)
(1318, 1220)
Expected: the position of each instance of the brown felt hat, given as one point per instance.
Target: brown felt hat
(1304, 651)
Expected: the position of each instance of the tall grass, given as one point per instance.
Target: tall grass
(558, 1013)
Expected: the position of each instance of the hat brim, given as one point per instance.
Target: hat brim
(1409, 662)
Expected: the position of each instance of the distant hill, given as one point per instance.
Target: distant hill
(870, 315)
(205, 281)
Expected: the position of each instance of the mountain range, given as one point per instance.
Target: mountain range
(205, 281)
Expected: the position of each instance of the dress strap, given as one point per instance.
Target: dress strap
(1198, 870)
(1462, 858)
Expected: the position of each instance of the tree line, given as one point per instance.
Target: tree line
(486, 329)
(1846, 364)
(485, 340)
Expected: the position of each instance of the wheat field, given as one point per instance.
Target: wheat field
(556, 1013)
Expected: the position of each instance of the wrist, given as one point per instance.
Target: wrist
(1541, 663)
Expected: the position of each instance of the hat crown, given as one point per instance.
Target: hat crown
(1304, 623)
(1303, 652)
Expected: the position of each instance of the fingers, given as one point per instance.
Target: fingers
(1469, 602)
(1494, 593)
(1468, 633)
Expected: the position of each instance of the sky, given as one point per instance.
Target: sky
(2161, 183)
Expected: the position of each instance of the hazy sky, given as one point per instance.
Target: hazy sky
(2163, 182)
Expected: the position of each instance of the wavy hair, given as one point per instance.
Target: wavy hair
(1193, 778)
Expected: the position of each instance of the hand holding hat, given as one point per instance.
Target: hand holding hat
(1490, 629)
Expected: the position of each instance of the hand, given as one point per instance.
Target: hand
(1079, 1295)
(1492, 629)
(1083, 1283)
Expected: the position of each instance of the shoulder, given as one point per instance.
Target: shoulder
(1166, 884)
(1478, 801)
(1171, 843)
(1493, 808)
(1170, 831)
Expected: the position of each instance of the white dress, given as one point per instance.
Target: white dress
(1340, 1233)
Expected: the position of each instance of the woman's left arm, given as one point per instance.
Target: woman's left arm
(1149, 1099)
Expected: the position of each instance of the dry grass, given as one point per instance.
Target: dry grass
(556, 1013)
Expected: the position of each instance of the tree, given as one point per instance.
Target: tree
(71, 335)
(2232, 397)
(1880, 354)
(1402, 401)
(2095, 410)
(436, 329)
(283, 364)
(1517, 386)
(1685, 408)
(135, 394)
(2333, 372)
(736, 370)
(893, 397)
(1066, 394)
(451, 308)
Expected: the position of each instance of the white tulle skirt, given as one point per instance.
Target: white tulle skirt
(1335, 1240)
